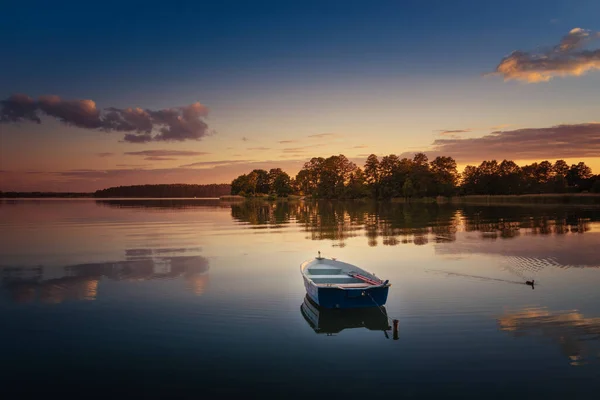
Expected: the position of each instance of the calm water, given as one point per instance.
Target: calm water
(201, 299)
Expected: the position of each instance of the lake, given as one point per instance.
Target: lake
(204, 299)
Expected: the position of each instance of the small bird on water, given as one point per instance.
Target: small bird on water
(530, 283)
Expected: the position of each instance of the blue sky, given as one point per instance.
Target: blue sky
(382, 77)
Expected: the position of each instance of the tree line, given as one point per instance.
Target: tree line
(392, 176)
(166, 190)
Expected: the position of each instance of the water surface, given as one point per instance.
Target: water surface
(201, 299)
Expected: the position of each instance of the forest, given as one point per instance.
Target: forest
(336, 177)
(166, 190)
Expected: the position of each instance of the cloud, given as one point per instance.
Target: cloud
(17, 108)
(165, 153)
(301, 149)
(171, 124)
(323, 135)
(245, 139)
(157, 158)
(215, 163)
(362, 146)
(258, 148)
(448, 132)
(568, 58)
(287, 141)
(133, 165)
(102, 155)
(561, 141)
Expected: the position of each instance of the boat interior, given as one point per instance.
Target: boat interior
(326, 275)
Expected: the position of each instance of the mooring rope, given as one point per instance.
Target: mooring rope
(380, 307)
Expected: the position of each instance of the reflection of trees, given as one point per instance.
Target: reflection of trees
(80, 282)
(577, 336)
(390, 223)
(337, 220)
(509, 222)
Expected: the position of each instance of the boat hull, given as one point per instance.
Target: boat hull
(334, 297)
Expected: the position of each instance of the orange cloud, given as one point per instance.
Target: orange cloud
(565, 59)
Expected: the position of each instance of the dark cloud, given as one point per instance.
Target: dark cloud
(362, 146)
(157, 158)
(215, 163)
(258, 148)
(301, 149)
(141, 138)
(568, 58)
(322, 135)
(171, 124)
(165, 153)
(104, 154)
(561, 141)
(287, 141)
(133, 165)
(245, 139)
(18, 108)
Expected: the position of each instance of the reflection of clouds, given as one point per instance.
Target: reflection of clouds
(196, 283)
(80, 282)
(577, 336)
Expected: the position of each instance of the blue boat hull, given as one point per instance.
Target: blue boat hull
(333, 297)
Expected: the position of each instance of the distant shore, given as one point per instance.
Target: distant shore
(549, 198)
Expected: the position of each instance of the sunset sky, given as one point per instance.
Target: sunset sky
(116, 93)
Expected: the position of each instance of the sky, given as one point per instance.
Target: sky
(94, 95)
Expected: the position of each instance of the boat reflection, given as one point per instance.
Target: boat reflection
(330, 321)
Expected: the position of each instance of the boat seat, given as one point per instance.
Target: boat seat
(335, 279)
(339, 277)
(324, 271)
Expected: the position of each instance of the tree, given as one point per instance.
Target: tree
(596, 185)
(560, 168)
(372, 174)
(241, 185)
(445, 175)
(279, 182)
(470, 179)
(510, 177)
(543, 172)
(262, 181)
(408, 189)
(357, 185)
(577, 173)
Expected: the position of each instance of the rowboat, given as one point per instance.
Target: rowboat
(331, 321)
(334, 284)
